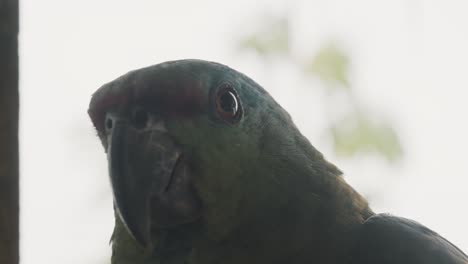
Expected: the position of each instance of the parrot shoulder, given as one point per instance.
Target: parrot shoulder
(388, 239)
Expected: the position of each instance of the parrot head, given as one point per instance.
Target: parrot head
(183, 142)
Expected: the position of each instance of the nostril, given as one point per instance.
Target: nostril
(109, 123)
(140, 118)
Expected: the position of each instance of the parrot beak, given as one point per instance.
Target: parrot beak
(150, 180)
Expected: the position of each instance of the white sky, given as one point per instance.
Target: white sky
(409, 62)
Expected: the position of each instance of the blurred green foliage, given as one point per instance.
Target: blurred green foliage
(357, 132)
(331, 65)
(271, 38)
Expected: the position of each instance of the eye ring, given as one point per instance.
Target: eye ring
(227, 104)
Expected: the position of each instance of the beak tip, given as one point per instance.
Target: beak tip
(141, 240)
(138, 231)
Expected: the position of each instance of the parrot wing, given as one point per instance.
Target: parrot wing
(387, 239)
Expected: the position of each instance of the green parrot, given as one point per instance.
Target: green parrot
(206, 167)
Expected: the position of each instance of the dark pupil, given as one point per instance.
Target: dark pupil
(228, 103)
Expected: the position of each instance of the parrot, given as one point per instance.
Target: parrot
(206, 167)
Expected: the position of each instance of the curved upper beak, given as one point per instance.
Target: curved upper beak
(140, 166)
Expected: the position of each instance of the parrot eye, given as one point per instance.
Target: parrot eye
(227, 104)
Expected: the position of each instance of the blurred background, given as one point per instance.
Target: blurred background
(380, 87)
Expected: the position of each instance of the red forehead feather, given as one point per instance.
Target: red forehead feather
(173, 98)
(176, 98)
(105, 98)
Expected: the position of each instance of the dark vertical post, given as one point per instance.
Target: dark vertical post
(9, 178)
